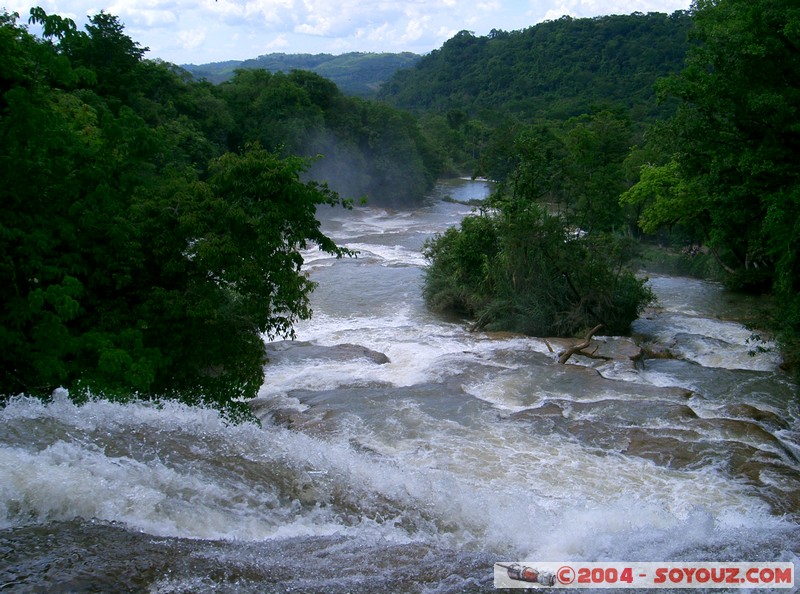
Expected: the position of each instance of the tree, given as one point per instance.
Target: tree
(128, 269)
(368, 148)
(541, 162)
(596, 148)
(518, 267)
(523, 271)
(229, 265)
(735, 146)
(554, 70)
(112, 57)
(273, 110)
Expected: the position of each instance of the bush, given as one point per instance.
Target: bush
(460, 261)
(526, 272)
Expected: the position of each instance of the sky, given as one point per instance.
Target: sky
(202, 31)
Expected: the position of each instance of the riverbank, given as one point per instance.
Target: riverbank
(759, 314)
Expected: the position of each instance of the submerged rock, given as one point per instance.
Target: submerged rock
(744, 411)
(671, 434)
(618, 348)
(276, 351)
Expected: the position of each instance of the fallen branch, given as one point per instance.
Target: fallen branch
(564, 357)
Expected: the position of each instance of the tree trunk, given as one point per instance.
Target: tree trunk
(727, 268)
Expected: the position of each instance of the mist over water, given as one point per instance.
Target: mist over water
(398, 452)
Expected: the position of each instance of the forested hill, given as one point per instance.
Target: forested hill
(356, 73)
(553, 70)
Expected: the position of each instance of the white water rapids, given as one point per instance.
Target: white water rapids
(401, 453)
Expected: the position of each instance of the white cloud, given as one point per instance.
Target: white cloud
(381, 33)
(547, 10)
(190, 39)
(280, 42)
(415, 29)
(556, 13)
(492, 6)
(147, 13)
(212, 30)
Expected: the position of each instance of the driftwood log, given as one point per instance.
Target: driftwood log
(577, 348)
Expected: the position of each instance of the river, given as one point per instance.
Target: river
(400, 453)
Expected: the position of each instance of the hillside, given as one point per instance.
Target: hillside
(355, 73)
(553, 70)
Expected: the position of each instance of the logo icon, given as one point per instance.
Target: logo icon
(566, 575)
(523, 573)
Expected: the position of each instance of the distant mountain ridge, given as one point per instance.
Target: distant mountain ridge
(356, 73)
(552, 70)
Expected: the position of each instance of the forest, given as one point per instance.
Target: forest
(148, 212)
(554, 70)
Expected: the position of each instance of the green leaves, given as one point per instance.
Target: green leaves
(360, 147)
(666, 197)
(60, 297)
(52, 25)
(734, 171)
(551, 71)
(737, 132)
(257, 219)
(525, 273)
(517, 266)
(124, 274)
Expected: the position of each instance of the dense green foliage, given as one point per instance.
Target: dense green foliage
(732, 172)
(355, 73)
(564, 113)
(475, 92)
(520, 266)
(152, 224)
(553, 70)
(579, 167)
(369, 149)
(521, 270)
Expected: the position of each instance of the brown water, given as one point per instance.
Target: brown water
(418, 455)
